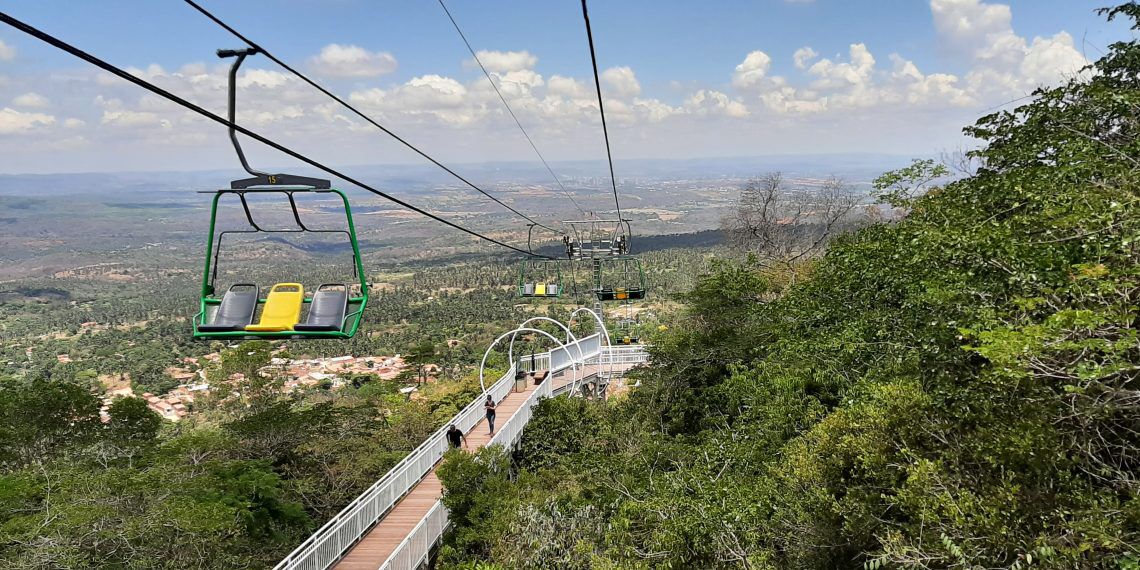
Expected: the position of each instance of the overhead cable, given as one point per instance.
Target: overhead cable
(356, 111)
(508, 106)
(601, 108)
(117, 71)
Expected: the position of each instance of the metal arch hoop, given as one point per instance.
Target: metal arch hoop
(601, 323)
(483, 363)
(602, 326)
(569, 333)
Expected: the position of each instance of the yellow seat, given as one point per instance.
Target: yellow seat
(621, 293)
(282, 308)
(540, 289)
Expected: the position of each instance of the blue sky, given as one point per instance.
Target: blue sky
(685, 72)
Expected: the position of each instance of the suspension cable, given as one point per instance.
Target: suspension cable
(601, 109)
(508, 106)
(356, 111)
(111, 68)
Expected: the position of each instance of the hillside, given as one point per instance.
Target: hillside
(957, 389)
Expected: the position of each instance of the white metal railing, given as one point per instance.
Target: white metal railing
(328, 543)
(413, 551)
(415, 548)
(332, 540)
(534, 362)
(624, 355)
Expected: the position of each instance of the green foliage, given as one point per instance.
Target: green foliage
(132, 422)
(899, 188)
(954, 390)
(42, 419)
(476, 489)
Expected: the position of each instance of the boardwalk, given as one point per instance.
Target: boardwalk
(382, 540)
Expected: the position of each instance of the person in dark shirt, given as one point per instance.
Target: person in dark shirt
(455, 436)
(489, 405)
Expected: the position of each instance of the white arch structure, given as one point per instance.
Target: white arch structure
(598, 319)
(569, 335)
(570, 338)
(602, 327)
(483, 363)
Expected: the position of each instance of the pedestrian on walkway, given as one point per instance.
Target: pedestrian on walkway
(489, 406)
(455, 436)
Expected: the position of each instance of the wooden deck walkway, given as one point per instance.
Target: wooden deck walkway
(382, 540)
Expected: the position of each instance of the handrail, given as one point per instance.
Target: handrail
(355, 519)
(334, 538)
(416, 546)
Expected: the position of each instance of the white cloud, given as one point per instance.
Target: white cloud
(714, 103)
(622, 82)
(803, 56)
(31, 100)
(1005, 64)
(504, 61)
(856, 72)
(263, 78)
(337, 60)
(426, 96)
(560, 86)
(133, 119)
(518, 83)
(1049, 60)
(753, 69)
(16, 122)
(654, 110)
(7, 52)
(973, 28)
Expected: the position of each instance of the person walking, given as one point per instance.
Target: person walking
(489, 406)
(455, 436)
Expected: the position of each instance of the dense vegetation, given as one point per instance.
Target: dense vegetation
(958, 389)
(237, 485)
(244, 479)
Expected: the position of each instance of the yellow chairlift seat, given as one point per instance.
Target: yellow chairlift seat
(282, 308)
(540, 289)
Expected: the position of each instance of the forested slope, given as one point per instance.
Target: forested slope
(957, 389)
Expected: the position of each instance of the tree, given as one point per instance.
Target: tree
(783, 224)
(42, 419)
(132, 422)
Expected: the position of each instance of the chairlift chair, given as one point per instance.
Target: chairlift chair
(619, 279)
(333, 311)
(540, 278)
(591, 239)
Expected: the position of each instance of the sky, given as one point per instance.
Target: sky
(680, 79)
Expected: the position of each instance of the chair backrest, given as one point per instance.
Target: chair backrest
(328, 307)
(283, 304)
(237, 306)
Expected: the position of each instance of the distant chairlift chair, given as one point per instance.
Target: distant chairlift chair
(530, 273)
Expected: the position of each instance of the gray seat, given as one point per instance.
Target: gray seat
(551, 290)
(528, 290)
(326, 310)
(236, 310)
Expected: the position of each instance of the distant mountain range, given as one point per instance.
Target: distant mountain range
(423, 178)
